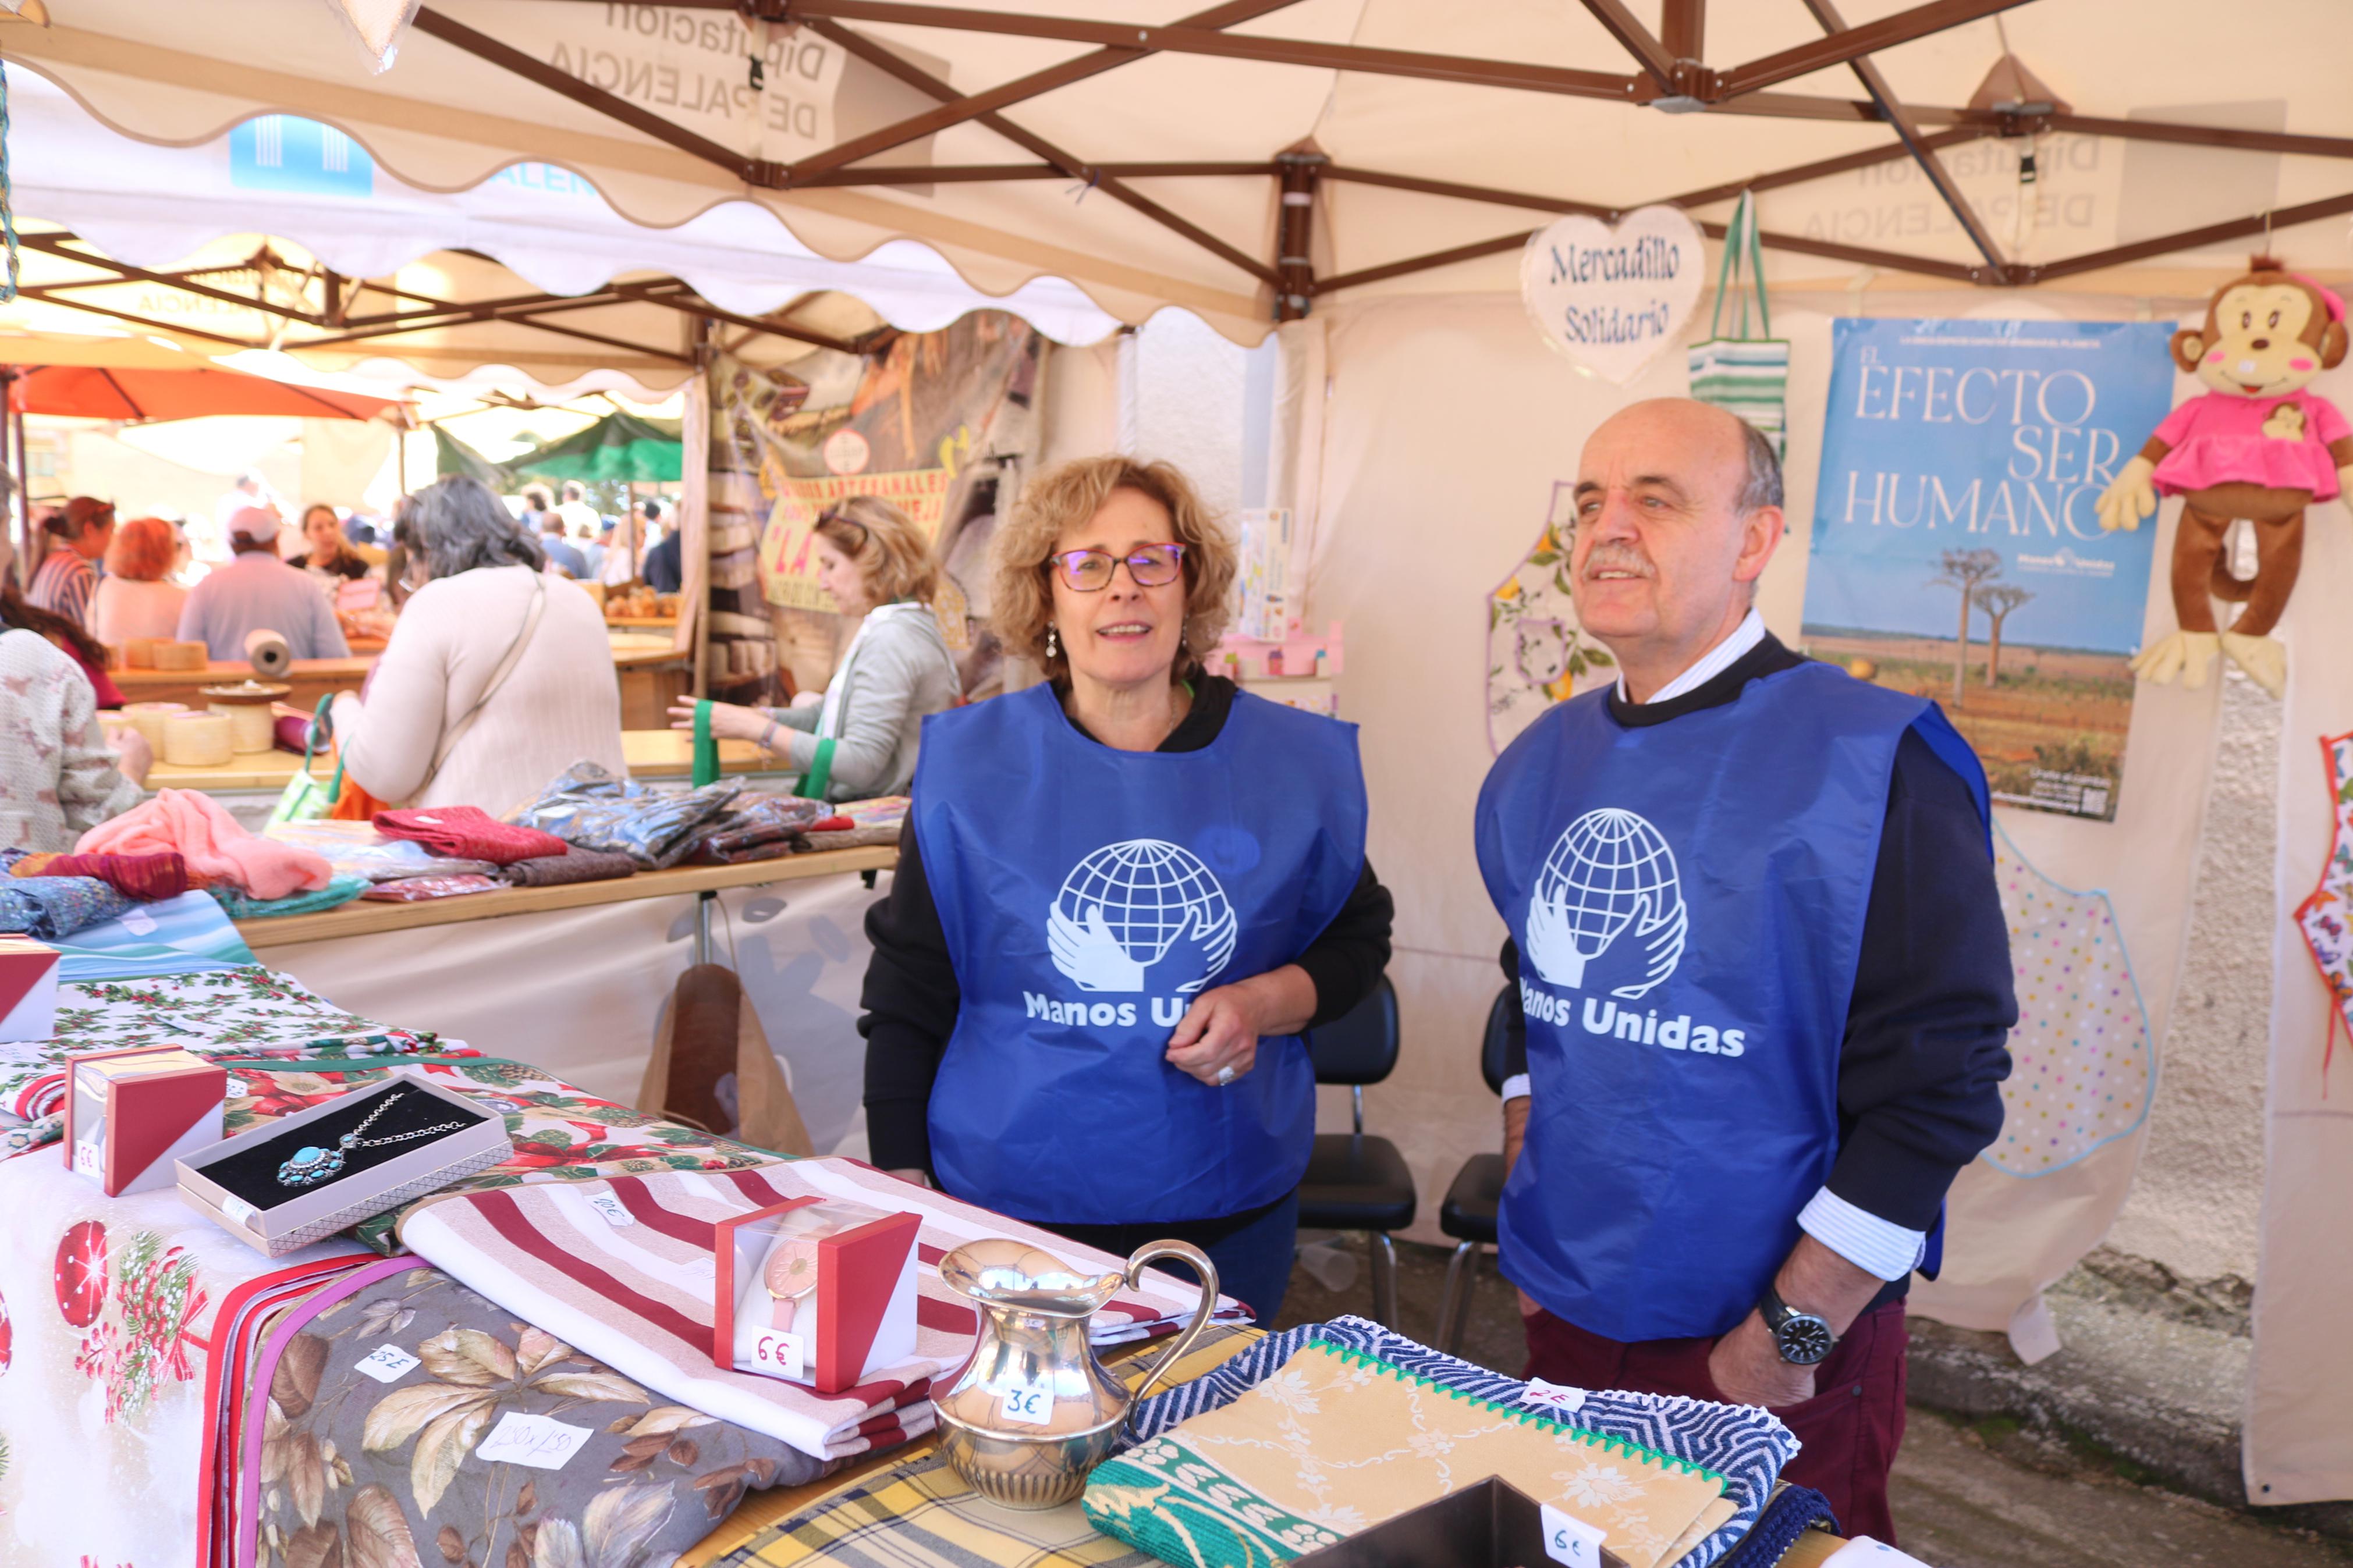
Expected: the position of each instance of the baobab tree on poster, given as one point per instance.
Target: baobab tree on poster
(1964, 572)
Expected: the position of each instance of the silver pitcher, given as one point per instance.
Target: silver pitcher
(1034, 1411)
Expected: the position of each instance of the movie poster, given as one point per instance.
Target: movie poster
(1956, 548)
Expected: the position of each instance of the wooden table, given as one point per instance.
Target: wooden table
(651, 673)
(367, 919)
(650, 754)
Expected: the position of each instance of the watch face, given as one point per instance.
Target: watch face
(791, 1270)
(1804, 1340)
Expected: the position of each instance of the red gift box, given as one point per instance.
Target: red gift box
(814, 1290)
(132, 1114)
(28, 989)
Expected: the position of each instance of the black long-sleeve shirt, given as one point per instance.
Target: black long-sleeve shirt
(1921, 1066)
(910, 995)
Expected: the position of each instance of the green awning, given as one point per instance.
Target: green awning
(451, 455)
(619, 447)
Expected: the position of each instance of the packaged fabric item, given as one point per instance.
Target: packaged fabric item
(756, 819)
(882, 811)
(301, 1178)
(341, 890)
(623, 1272)
(775, 851)
(592, 1459)
(421, 889)
(147, 877)
(130, 1114)
(1746, 1446)
(358, 849)
(468, 832)
(852, 839)
(579, 866)
(213, 845)
(28, 989)
(590, 809)
(1341, 1439)
(55, 908)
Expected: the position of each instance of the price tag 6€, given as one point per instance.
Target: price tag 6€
(87, 1162)
(783, 1355)
(386, 1363)
(1031, 1404)
(1570, 1540)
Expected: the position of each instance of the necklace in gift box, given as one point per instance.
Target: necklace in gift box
(316, 1164)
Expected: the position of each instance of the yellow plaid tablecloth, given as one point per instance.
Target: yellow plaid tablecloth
(914, 1512)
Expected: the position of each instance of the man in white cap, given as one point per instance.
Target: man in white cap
(257, 590)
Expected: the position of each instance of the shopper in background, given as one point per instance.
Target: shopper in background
(67, 581)
(860, 741)
(329, 559)
(257, 590)
(496, 678)
(1122, 896)
(665, 566)
(578, 515)
(137, 598)
(58, 776)
(561, 556)
(536, 510)
(623, 544)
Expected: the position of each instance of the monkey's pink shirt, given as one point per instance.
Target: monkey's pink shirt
(2218, 439)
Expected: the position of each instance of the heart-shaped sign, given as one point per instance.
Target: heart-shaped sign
(1610, 299)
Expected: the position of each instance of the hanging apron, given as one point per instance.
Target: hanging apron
(1688, 901)
(1087, 895)
(820, 772)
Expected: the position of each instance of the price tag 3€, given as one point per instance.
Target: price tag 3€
(386, 1363)
(1030, 1404)
(1570, 1540)
(782, 1356)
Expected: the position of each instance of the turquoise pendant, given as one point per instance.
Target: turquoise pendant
(310, 1164)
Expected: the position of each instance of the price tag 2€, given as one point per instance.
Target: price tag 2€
(1570, 1540)
(1553, 1397)
(1029, 1404)
(782, 1356)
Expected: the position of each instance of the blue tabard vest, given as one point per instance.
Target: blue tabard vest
(1088, 895)
(1688, 901)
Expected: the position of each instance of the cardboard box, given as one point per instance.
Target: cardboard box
(847, 1302)
(28, 989)
(235, 1185)
(131, 1115)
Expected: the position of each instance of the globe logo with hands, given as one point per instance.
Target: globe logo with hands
(1610, 874)
(1137, 905)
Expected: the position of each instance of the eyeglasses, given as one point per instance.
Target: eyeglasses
(1149, 566)
(831, 515)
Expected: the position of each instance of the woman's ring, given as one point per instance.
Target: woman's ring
(1225, 1076)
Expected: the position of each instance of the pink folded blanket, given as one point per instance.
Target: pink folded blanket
(210, 839)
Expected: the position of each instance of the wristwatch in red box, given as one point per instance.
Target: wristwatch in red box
(790, 1276)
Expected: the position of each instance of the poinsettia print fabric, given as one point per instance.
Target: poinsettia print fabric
(247, 1011)
(387, 1411)
(107, 1313)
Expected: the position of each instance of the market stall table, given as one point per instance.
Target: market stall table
(650, 754)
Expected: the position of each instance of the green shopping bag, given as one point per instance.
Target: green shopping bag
(305, 798)
(1744, 376)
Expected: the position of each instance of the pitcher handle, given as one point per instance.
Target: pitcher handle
(1184, 1252)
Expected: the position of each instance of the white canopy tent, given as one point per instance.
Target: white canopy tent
(1365, 172)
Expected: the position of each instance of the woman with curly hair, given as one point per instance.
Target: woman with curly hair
(1122, 895)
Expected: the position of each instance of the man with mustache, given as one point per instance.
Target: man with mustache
(1764, 977)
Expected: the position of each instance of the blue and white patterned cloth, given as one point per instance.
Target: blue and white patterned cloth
(1745, 1445)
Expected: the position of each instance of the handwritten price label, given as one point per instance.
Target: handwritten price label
(386, 1363)
(236, 1211)
(1570, 1540)
(89, 1162)
(785, 1355)
(138, 922)
(534, 1441)
(1032, 1404)
(610, 1208)
(1553, 1396)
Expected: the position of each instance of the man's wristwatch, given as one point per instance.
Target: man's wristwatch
(1803, 1339)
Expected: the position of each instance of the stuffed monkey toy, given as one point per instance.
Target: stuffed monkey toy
(2257, 446)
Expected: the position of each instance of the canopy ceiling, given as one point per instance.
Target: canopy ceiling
(1140, 152)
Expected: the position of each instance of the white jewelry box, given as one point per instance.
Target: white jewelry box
(300, 1215)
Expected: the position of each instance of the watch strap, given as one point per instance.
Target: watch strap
(1778, 1313)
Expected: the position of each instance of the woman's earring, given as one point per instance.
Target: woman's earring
(1053, 645)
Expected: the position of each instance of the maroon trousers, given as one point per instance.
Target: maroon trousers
(1850, 1428)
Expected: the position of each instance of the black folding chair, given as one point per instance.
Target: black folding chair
(1355, 1181)
(1468, 1214)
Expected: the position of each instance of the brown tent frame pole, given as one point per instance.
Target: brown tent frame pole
(1077, 168)
(2188, 239)
(1638, 41)
(1848, 45)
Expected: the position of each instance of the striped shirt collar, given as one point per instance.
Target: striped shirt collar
(1713, 663)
